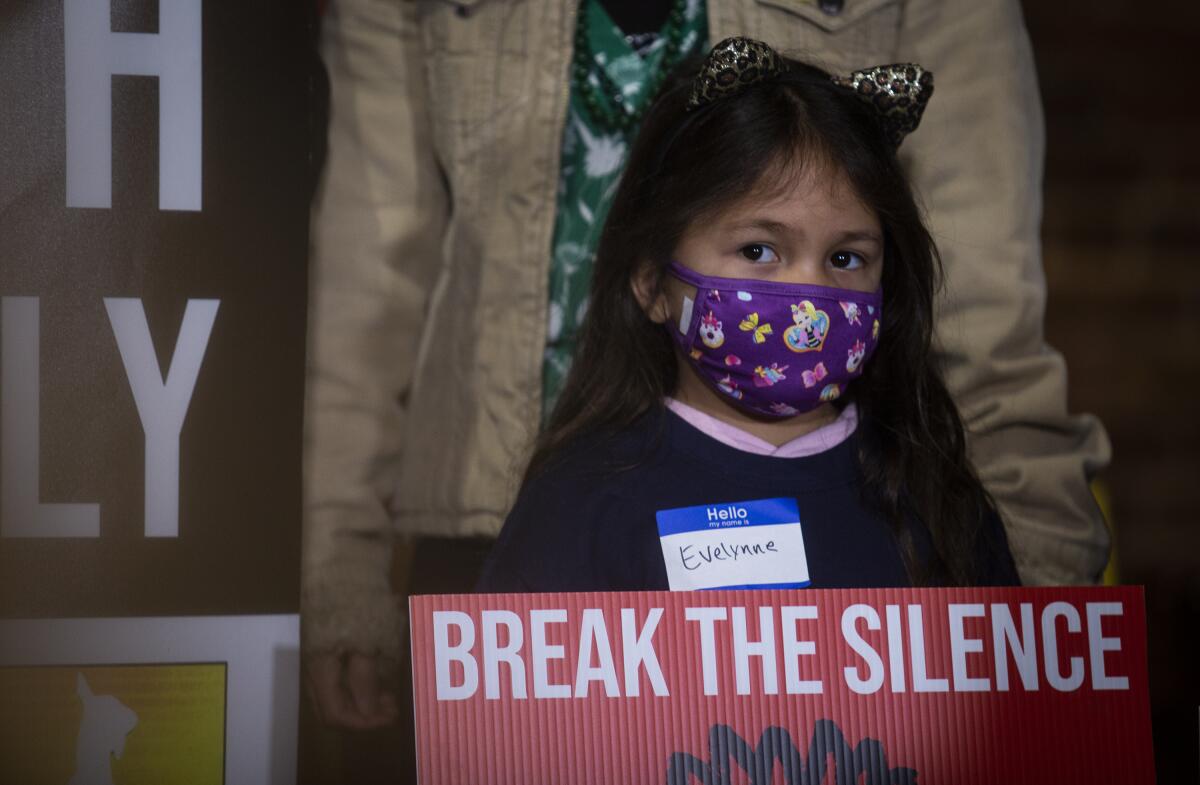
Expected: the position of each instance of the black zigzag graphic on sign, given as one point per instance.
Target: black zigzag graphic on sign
(727, 749)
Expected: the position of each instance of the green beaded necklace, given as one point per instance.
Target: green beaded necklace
(603, 101)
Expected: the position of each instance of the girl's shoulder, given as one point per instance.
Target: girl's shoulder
(570, 527)
(613, 454)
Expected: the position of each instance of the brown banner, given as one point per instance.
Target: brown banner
(157, 169)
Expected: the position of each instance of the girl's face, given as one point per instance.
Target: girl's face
(815, 231)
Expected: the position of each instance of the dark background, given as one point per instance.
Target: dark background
(1122, 259)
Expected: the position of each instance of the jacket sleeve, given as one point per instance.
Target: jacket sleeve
(378, 221)
(976, 162)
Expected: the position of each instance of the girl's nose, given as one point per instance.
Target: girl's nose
(810, 271)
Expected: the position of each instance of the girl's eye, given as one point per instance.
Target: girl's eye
(761, 254)
(847, 260)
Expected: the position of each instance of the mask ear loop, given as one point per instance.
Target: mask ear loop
(687, 327)
(685, 318)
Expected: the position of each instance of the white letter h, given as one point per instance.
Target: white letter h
(93, 55)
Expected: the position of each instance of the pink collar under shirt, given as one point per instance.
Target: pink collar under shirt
(820, 440)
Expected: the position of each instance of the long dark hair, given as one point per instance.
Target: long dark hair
(687, 166)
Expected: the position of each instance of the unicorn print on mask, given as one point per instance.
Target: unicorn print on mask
(810, 328)
(729, 387)
(855, 355)
(852, 312)
(768, 376)
(711, 333)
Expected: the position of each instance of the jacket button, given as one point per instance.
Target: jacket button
(832, 7)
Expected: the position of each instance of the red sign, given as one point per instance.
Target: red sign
(814, 686)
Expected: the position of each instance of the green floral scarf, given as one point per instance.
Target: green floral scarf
(592, 159)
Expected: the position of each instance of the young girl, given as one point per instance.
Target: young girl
(754, 401)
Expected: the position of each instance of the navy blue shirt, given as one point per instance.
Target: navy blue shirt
(587, 522)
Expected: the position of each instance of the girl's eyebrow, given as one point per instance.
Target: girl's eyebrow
(764, 224)
(860, 235)
(778, 227)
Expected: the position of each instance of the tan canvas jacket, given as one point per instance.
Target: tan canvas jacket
(431, 244)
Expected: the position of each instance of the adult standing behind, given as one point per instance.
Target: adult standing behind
(472, 148)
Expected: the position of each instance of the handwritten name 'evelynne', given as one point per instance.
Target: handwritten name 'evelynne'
(723, 552)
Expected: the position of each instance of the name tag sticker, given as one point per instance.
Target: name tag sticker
(734, 545)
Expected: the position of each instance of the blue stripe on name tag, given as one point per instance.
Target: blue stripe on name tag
(803, 585)
(727, 515)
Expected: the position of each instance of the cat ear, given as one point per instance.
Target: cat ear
(81, 686)
(898, 93)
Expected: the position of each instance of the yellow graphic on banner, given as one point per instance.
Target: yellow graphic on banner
(113, 724)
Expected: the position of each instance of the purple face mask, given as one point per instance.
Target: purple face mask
(776, 349)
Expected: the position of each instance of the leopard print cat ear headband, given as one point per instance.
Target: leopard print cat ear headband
(898, 93)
